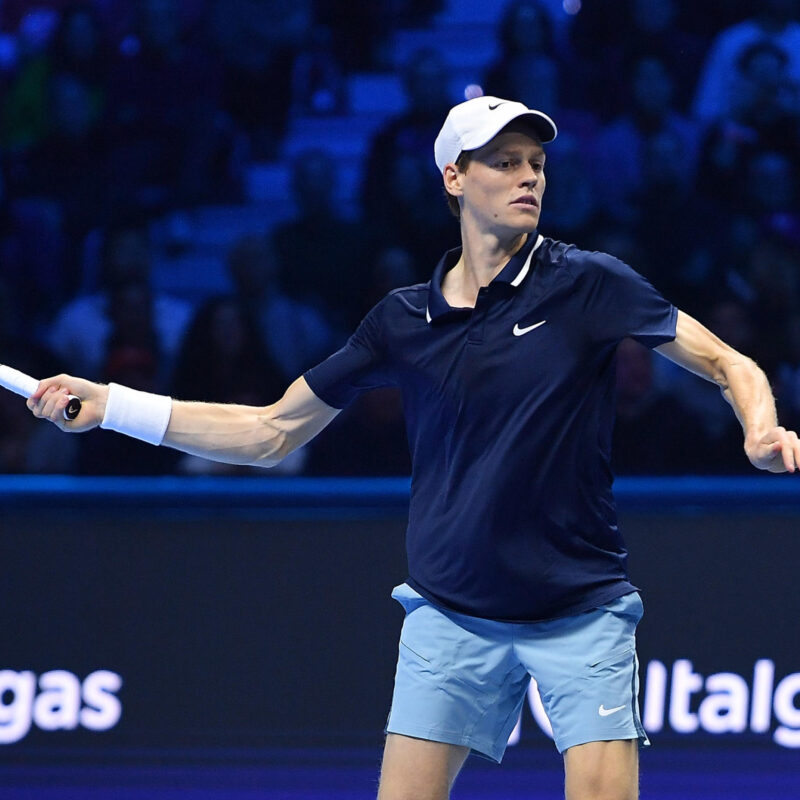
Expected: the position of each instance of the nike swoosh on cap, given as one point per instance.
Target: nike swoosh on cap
(604, 712)
(522, 331)
(496, 105)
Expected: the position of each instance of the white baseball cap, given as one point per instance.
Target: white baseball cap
(472, 124)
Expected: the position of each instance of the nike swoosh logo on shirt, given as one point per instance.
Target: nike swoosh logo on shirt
(604, 712)
(522, 331)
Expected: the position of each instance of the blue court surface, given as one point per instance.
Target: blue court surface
(533, 774)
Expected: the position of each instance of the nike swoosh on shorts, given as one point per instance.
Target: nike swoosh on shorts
(604, 712)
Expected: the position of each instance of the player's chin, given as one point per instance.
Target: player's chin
(526, 224)
(524, 215)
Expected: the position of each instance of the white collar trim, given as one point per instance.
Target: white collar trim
(524, 271)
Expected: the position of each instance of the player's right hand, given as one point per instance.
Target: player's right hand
(778, 450)
(52, 396)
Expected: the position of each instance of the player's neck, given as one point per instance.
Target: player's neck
(483, 256)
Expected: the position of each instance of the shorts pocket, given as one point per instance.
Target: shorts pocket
(410, 651)
(615, 657)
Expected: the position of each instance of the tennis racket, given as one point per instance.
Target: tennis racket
(24, 385)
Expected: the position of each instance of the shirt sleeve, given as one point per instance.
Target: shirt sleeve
(359, 366)
(623, 303)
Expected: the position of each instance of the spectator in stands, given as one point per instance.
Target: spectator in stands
(55, 112)
(163, 112)
(80, 48)
(661, 32)
(257, 41)
(622, 151)
(69, 169)
(60, 173)
(764, 209)
(82, 331)
(23, 109)
(774, 275)
(672, 253)
(525, 36)
(641, 406)
(295, 336)
(31, 253)
(321, 255)
(372, 26)
(535, 64)
(318, 84)
(133, 344)
(391, 267)
(775, 195)
(774, 22)
(764, 116)
(402, 196)
(222, 358)
(766, 92)
(610, 37)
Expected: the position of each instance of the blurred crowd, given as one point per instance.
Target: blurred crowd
(677, 152)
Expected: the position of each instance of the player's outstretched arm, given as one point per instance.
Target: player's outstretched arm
(246, 434)
(234, 434)
(744, 385)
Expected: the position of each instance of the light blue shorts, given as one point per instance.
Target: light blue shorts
(463, 680)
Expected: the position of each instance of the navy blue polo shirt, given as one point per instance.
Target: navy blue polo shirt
(509, 409)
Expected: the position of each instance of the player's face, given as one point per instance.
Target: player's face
(504, 183)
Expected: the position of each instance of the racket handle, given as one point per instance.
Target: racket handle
(73, 408)
(24, 385)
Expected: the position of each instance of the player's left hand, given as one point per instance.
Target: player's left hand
(778, 450)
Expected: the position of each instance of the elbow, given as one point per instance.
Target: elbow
(276, 445)
(282, 449)
(267, 461)
(718, 370)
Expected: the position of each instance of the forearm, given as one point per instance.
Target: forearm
(768, 445)
(746, 388)
(247, 434)
(232, 434)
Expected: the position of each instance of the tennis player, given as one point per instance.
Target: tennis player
(505, 360)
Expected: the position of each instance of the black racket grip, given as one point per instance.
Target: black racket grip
(73, 408)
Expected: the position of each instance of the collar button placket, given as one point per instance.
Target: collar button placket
(477, 321)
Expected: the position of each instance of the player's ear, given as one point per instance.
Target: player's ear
(452, 177)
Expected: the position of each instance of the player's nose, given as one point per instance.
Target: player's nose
(530, 176)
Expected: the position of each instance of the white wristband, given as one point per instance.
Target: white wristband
(141, 415)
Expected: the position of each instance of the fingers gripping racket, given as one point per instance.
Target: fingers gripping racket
(22, 384)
